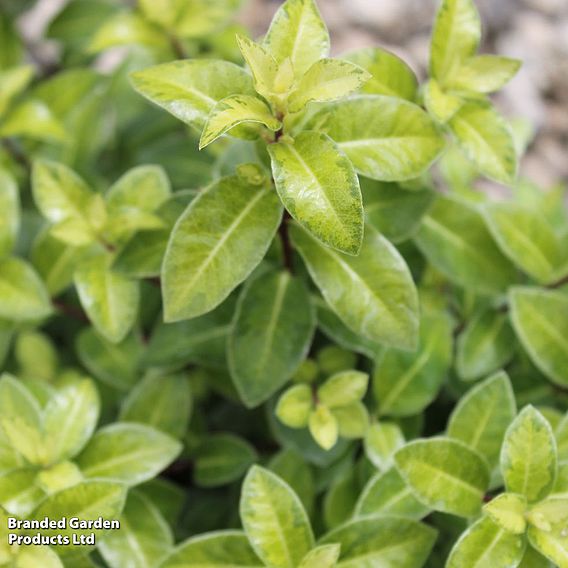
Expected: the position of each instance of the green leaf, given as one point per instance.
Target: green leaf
(482, 416)
(86, 501)
(38, 556)
(13, 80)
(552, 544)
(455, 38)
(529, 456)
(70, 418)
(272, 331)
(33, 119)
(274, 519)
(324, 556)
(394, 211)
(229, 549)
(540, 320)
(19, 494)
(116, 364)
(534, 559)
(298, 33)
(486, 344)
(440, 104)
(129, 453)
(386, 138)
(390, 75)
(404, 382)
(144, 537)
(234, 110)
(109, 298)
(486, 139)
(445, 474)
(201, 340)
(327, 80)
(36, 356)
(9, 212)
(388, 542)
(484, 73)
(190, 89)
(262, 65)
(382, 440)
(527, 239)
(323, 427)
(388, 494)
(17, 401)
(294, 406)
(163, 402)
(380, 304)
(22, 293)
(217, 242)
(454, 238)
(343, 388)
(352, 420)
(508, 511)
(486, 544)
(320, 189)
(222, 459)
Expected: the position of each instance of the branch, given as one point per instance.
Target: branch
(558, 283)
(71, 310)
(287, 251)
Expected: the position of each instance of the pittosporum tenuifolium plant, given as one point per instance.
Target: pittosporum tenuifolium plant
(315, 343)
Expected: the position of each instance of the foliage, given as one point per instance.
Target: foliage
(315, 343)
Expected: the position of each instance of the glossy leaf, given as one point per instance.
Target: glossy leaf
(444, 474)
(385, 138)
(274, 519)
(508, 511)
(318, 186)
(529, 456)
(372, 293)
(215, 245)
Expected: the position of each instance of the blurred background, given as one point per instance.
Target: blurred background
(535, 31)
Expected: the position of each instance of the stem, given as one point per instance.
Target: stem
(17, 154)
(287, 251)
(177, 47)
(558, 283)
(72, 311)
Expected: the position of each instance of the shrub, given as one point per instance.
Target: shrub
(315, 343)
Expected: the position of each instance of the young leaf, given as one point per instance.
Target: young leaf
(444, 474)
(486, 139)
(483, 415)
(388, 494)
(540, 320)
(19, 493)
(129, 453)
(380, 304)
(529, 456)
(487, 544)
(144, 535)
(508, 511)
(386, 138)
(343, 388)
(33, 119)
(190, 89)
(454, 238)
(109, 298)
(382, 440)
(455, 37)
(327, 80)
(221, 459)
(214, 550)
(390, 75)
(318, 186)
(9, 212)
(262, 65)
(14, 80)
(552, 544)
(440, 104)
(88, 500)
(297, 32)
(323, 427)
(324, 556)
(22, 293)
(394, 211)
(382, 541)
(294, 406)
(163, 402)
(486, 344)
(70, 418)
(352, 420)
(526, 239)
(484, 73)
(405, 383)
(274, 519)
(217, 242)
(234, 110)
(272, 331)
